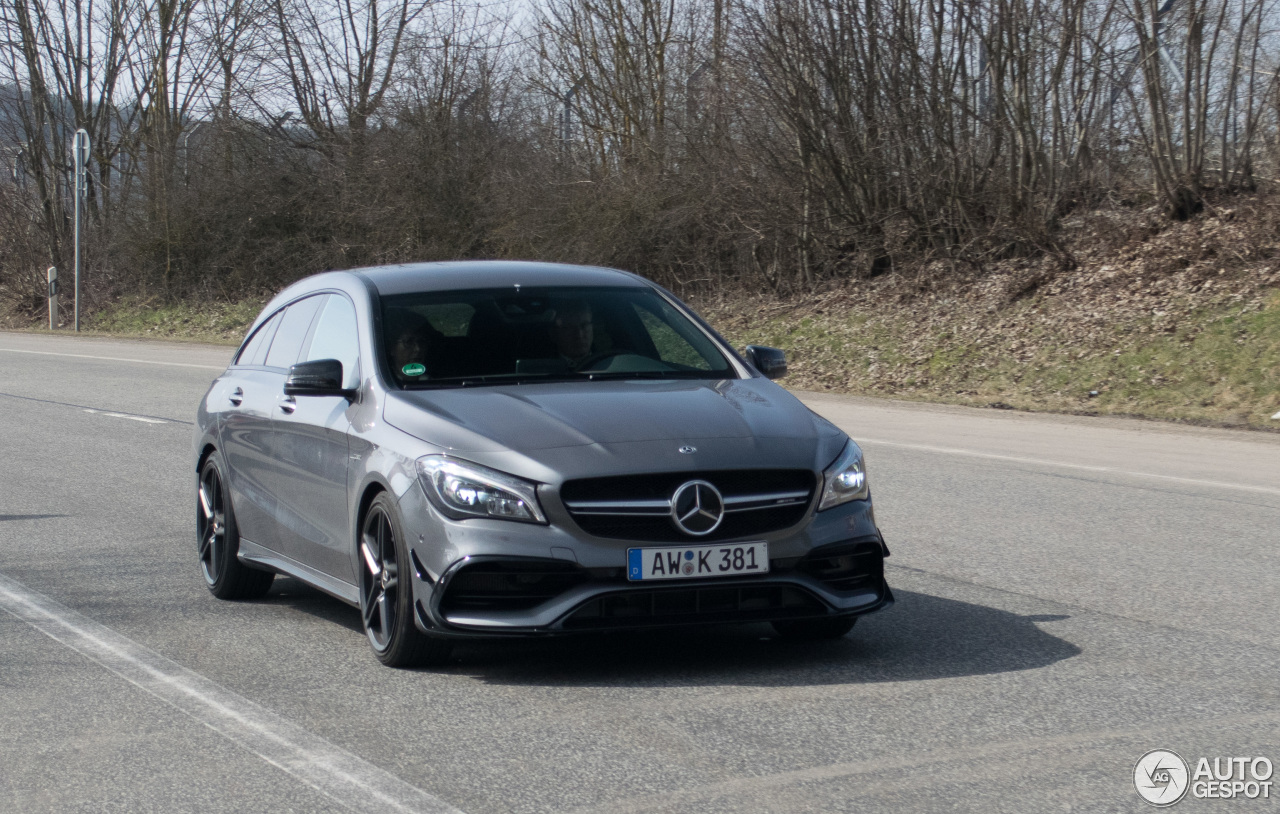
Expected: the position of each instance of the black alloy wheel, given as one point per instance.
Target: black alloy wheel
(218, 541)
(810, 630)
(386, 592)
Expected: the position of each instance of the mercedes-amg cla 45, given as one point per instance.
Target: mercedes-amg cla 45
(493, 449)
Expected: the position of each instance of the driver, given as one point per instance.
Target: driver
(574, 332)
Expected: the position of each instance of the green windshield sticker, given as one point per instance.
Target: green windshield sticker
(413, 369)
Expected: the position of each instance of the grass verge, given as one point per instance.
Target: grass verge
(218, 322)
(1216, 364)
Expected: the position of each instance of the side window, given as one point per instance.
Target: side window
(672, 347)
(292, 332)
(255, 350)
(335, 337)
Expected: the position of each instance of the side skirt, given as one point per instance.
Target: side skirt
(256, 556)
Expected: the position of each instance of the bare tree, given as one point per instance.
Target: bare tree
(614, 66)
(240, 143)
(1194, 97)
(341, 57)
(64, 60)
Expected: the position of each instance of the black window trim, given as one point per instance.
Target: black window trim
(306, 342)
(315, 323)
(235, 361)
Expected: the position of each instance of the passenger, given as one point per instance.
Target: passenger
(574, 332)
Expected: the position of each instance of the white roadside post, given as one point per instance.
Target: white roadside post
(80, 155)
(53, 297)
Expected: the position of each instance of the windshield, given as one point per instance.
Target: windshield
(502, 336)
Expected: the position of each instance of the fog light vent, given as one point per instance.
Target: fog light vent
(509, 585)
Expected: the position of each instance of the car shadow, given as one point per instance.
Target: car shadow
(301, 597)
(921, 637)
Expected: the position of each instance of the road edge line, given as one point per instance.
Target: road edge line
(347, 780)
(1110, 470)
(111, 358)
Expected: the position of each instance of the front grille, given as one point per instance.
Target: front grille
(638, 507)
(846, 566)
(664, 606)
(510, 585)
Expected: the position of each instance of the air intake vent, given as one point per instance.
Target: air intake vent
(848, 566)
(509, 586)
(695, 605)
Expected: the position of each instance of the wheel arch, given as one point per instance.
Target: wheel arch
(368, 493)
(208, 450)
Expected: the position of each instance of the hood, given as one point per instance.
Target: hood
(524, 418)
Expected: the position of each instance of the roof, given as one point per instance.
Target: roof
(415, 277)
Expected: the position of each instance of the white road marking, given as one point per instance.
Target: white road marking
(335, 773)
(1064, 465)
(114, 359)
(141, 418)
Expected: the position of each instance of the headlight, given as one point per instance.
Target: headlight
(461, 490)
(845, 480)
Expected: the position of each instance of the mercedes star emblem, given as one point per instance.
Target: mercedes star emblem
(697, 508)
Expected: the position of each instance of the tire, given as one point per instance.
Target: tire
(386, 601)
(811, 630)
(218, 540)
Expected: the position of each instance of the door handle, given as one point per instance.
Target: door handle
(289, 404)
(236, 397)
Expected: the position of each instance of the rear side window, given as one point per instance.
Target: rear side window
(292, 332)
(335, 337)
(255, 350)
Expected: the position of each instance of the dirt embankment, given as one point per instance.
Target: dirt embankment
(1133, 315)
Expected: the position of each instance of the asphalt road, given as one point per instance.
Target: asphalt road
(1071, 592)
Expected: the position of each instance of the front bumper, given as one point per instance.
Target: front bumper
(483, 578)
(487, 596)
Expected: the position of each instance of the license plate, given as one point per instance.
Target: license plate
(697, 562)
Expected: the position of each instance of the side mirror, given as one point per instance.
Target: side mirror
(769, 361)
(323, 377)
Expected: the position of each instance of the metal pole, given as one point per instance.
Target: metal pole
(566, 123)
(186, 161)
(80, 155)
(53, 297)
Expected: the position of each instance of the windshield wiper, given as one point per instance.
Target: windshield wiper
(490, 380)
(499, 379)
(606, 375)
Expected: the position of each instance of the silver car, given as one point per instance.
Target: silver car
(487, 449)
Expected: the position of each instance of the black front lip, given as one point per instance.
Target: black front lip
(548, 619)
